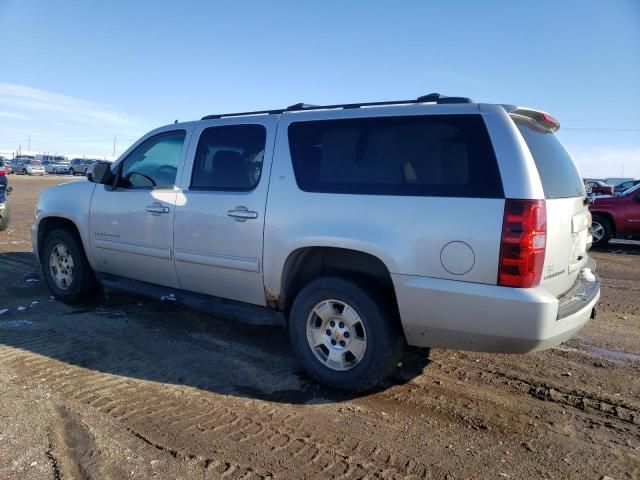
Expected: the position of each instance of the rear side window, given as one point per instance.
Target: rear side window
(434, 155)
(229, 158)
(558, 173)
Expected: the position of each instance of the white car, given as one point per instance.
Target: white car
(435, 222)
(27, 166)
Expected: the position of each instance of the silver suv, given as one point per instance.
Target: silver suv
(436, 222)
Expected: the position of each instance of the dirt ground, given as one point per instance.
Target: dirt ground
(124, 387)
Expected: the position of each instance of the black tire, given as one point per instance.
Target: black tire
(5, 217)
(72, 172)
(83, 282)
(597, 220)
(384, 338)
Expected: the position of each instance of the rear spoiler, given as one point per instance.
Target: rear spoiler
(540, 118)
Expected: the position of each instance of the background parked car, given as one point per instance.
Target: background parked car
(27, 166)
(625, 185)
(80, 165)
(6, 164)
(616, 217)
(4, 205)
(596, 187)
(56, 165)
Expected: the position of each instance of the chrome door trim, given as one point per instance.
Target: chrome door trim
(222, 261)
(147, 250)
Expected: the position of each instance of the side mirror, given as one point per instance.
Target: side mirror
(100, 173)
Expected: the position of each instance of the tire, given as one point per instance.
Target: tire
(82, 282)
(72, 172)
(5, 217)
(382, 334)
(600, 227)
(24, 171)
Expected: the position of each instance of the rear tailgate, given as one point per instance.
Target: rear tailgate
(568, 216)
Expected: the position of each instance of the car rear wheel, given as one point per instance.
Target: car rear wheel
(72, 172)
(65, 267)
(600, 231)
(343, 336)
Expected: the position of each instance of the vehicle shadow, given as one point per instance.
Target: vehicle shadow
(162, 342)
(620, 247)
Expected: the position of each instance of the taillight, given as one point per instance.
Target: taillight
(524, 239)
(2, 173)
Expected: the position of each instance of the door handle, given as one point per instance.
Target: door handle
(157, 209)
(242, 214)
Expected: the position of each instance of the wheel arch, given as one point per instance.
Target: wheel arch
(48, 224)
(609, 218)
(308, 263)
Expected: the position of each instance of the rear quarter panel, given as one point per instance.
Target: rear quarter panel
(407, 234)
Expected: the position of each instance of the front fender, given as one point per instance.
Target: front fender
(71, 202)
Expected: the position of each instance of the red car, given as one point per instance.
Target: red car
(616, 217)
(4, 163)
(597, 187)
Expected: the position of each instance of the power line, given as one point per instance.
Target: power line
(602, 129)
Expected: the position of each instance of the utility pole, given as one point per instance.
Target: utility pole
(29, 144)
(114, 145)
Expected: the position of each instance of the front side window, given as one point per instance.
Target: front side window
(229, 158)
(431, 155)
(154, 163)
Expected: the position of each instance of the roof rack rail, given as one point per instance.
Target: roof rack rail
(300, 107)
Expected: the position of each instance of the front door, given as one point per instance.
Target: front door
(633, 213)
(132, 224)
(220, 210)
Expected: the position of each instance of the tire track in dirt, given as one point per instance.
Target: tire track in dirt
(152, 413)
(543, 390)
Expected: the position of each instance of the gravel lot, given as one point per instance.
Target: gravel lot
(124, 387)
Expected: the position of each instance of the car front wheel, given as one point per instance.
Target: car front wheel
(343, 335)
(65, 267)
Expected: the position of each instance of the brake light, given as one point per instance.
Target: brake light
(523, 243)
(2, 172)
(549, 121)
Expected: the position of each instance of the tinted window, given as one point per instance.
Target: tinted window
(154, 163)
(435, 155)
(558, 173)
(229, 158)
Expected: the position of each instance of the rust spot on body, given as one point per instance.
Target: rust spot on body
(273, 301)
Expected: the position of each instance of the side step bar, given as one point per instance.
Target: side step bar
(218, 307)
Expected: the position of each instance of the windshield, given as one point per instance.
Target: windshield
(630, 190)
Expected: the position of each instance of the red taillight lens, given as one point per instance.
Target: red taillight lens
(524, 239)
(2, 172)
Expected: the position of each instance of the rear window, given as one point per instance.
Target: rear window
(558, 173)
(434, 155)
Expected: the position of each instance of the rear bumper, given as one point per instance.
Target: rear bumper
(488, 318)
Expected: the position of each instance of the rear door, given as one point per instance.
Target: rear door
(568, 215)
(219, 219)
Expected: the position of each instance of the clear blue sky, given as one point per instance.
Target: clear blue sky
(74, 73)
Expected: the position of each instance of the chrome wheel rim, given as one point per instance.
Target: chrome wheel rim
(336, 335)
(597, 231)
(61, 266)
